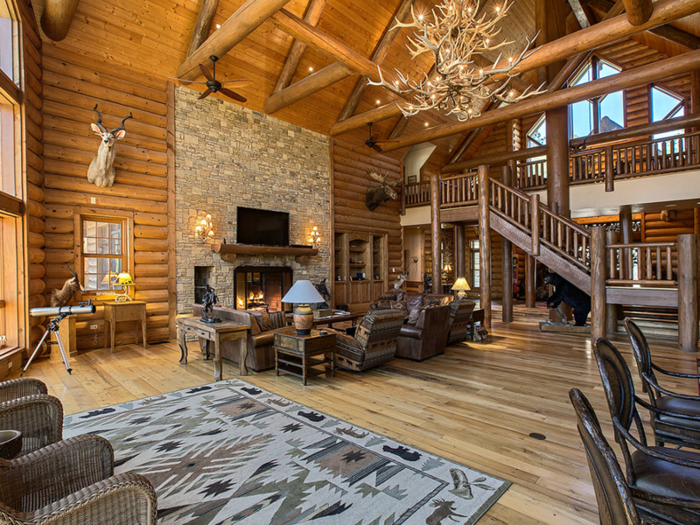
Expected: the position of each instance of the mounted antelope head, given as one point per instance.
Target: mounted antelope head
(377, 195)
(101, 171)
(72, 285)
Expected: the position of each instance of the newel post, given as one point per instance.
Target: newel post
(688, 292)
(485, 244)
(599, 275)
(535, 224)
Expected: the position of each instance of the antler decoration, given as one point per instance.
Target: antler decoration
(456, 37)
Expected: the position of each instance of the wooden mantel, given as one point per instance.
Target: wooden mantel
(229, 252)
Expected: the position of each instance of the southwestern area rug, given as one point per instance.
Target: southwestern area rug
(232, 453)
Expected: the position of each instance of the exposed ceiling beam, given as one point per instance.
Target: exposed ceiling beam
(240, 24)
(580, 13)
(500, 158)
(312, 16)
(673, 34)
(468, 140)
(627, 79)
(56, 18)
(638, 11)
(603, 33)
(400, 127)
(203, 25)
(378, 56)
(328, 76)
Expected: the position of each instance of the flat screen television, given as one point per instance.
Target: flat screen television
(270, 228)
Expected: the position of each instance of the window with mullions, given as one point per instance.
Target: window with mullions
(598, 114)
(475, 266)
(666, 105)
(103, 253)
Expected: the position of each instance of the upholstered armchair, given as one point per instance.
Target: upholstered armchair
(24, 406)
(428, 337)
(460, 315)
(73, 482)
(373, 342)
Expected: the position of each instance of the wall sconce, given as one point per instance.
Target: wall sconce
(205, 230)
(315, 238)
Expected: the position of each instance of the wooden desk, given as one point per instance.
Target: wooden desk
(216, 332)
(293, 352)
(128, 311)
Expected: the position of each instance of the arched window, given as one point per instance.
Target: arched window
(598, 114)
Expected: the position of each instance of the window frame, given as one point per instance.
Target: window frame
(127, 221)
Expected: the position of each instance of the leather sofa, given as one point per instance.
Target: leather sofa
(261, 354)
(413, 300)
(428, 337)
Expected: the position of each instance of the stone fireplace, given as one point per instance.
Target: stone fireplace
(261, 287)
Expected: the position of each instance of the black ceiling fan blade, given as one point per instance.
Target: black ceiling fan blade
(374, 137)
(205, 94)
(232, 94)
(206, 72)
(243, 82)
(375, 147)
(185, 81)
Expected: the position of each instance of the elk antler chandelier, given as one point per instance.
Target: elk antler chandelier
(458, 41)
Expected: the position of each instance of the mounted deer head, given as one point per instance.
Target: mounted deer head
(62, 296)
(377, 195)
(101, 171)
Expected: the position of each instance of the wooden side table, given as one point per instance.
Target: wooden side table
(294, 353)
(128, 311)
(216, 333)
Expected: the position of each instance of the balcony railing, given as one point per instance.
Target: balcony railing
(417, 194)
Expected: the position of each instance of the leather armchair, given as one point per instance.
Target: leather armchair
(413, 300)
(373, 342)
(428, 338)
(460, 315)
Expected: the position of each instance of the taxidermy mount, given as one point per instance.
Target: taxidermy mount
(101, 171)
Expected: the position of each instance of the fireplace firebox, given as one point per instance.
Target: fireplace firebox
(261, 287)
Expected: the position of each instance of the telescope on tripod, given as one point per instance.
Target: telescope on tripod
(60, 313)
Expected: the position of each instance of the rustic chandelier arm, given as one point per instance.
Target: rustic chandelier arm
(455, 38)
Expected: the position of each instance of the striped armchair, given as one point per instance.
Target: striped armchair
(460, 315)
(374, 342)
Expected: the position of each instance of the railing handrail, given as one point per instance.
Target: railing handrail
(631, 143)
(459, 176)
(568, 222)
(643, 245)
(510, 189)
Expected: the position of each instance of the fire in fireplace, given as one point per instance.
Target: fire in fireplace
(261, 287)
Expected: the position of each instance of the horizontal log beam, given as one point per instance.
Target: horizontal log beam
(240, 24)
(495, 160)
(627, 79)
(306, 87)
(638, 11)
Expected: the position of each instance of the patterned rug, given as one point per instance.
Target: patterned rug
(232, 453)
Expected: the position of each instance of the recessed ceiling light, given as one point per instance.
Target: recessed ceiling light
(426, 124)
(311, 69)
(378, 102)
(218, 26)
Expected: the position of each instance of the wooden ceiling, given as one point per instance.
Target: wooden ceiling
(152, 37)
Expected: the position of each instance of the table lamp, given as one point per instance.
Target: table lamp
(124, 280)
(302, 294)
(461, 286)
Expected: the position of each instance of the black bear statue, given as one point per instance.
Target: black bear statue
(570, 295)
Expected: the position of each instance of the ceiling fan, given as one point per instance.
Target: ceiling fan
(214, 86)
(372, 141)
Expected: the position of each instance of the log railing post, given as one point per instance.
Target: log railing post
(535, 224)
(435, 228)
(599, 275)
(612, 310)
(530, 278)
(460, 251)
(507, 250)
(485, 244)
(609, 174)
(688, 292)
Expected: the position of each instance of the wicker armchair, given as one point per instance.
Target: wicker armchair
(24, 406)
(72, 482)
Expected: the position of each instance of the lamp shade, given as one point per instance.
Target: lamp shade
(303, 292)
(461, 285)
(124, 278)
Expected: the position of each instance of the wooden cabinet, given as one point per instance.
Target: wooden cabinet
(360, 268)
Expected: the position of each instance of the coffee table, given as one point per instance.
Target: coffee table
(216, 333)
(330, 320)
(294, 354)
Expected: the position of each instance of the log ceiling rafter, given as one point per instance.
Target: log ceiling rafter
(202, 26)
(380, 52)
(56, 18)
(312, 16)
(638, 11)
(580, 13)
(239, 25)
(601, 34)
(667, 32)
(627, 79)
(399, 128)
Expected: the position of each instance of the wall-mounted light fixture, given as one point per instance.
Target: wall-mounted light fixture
(205, 229)
(315, 237)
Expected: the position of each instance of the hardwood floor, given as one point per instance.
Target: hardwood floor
(477, 405)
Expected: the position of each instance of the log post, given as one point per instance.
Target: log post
(688, 292)
(599, 275)
(626, 238)
(435, 229)
(507, 250)
(609, 173)
(611, 310)
(530, 278)
(558, 159)
(485, 244)
(460, 250)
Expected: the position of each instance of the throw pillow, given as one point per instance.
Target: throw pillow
(384, 304)
(413, 316)
(263, 320)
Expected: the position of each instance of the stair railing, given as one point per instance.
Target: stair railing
(567, 238)
(510, 204)
(654, 264)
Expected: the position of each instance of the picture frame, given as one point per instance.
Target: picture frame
(412, 179)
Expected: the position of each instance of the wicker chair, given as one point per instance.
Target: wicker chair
(73, 482)
(664, 481)
(675, 417)
(24, 406)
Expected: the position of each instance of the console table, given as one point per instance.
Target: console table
(216, 333)
(129, 311)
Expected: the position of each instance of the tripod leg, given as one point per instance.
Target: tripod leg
(63, 353)
(36, 350)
